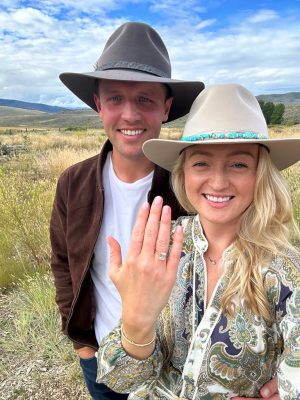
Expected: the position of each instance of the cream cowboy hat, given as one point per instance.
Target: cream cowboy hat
(134, 52)
(224, 114)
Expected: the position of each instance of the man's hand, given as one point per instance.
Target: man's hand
(86, 352)
(268, 391)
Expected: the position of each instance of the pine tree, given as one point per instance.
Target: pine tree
(277, 115)
(267, 110)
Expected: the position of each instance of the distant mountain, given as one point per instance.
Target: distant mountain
(31, 106)
(291, 98)
(13, 117)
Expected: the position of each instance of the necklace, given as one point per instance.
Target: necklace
(212, 260)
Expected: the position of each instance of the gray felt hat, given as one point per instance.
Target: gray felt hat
(224, 114)
(134, 52)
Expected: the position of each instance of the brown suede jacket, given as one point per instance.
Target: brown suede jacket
(75, 224)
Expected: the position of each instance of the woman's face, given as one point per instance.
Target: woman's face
(220, 180)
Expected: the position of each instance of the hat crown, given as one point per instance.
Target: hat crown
(137, 46)
(225, 110)
(134, 53)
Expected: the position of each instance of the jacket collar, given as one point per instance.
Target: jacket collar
(106, 148)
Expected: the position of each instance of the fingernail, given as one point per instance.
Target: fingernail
(157, 200)
(265, 392)
(165, 210)
(178, 229)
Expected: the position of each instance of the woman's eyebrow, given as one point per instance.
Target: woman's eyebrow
(233, 153)
(201, 153)
(242, 153)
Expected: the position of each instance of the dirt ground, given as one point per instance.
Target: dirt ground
(25, 376)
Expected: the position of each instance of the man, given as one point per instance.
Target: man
(132, 90)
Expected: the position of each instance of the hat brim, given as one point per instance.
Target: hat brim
(164, 152)
(83, 86)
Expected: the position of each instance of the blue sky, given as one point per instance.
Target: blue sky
(255, 43)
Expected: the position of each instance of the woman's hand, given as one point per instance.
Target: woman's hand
(145, 279)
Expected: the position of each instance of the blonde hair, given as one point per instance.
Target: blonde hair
(266, 230)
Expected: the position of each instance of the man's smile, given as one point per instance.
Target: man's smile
(131, 132)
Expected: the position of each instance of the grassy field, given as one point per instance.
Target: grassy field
(31, 161)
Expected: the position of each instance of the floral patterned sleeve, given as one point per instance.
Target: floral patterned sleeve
(289, 367)
(122, 373)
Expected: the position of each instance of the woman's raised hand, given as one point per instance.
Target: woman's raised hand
(146, 278)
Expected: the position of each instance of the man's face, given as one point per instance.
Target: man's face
(131, 112)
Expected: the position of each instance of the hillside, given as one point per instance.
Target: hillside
(292, 98)
(14, 117)
(31, 106)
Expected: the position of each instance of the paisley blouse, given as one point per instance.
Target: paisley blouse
(199, 353)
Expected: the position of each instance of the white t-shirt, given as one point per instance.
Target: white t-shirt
(122, 202)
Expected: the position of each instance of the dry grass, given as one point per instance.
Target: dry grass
(51, 163)
(279, 131)
(44, 139)
(27, 186)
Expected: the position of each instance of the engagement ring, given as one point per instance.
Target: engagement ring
(162, 256)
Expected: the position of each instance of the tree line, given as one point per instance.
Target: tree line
(273, 113)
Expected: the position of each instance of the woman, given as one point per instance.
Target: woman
(218, 314)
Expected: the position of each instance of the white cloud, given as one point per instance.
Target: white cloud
(262, 59)
(36, 53)
(172, 6)
(178, 11)
(10, 3)
(205, 23)
(25, 22)
(71, 8)
(263, 16)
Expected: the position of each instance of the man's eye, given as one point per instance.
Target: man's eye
(115, 98)
(143, 99)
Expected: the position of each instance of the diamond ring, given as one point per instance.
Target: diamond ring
(162, 256)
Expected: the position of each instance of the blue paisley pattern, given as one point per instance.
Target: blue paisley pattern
(199, 353)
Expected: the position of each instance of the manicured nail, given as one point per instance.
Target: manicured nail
(178, 229)
(157, 200)
(165, 210)
(265, 392)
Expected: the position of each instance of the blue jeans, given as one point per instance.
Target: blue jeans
(98, 391)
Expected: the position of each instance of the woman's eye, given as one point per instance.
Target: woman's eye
(239, 165)
(200, 164)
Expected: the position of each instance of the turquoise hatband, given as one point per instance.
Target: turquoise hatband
(222, 135)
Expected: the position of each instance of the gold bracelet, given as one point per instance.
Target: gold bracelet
(134, 343)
